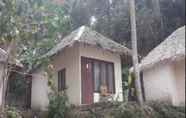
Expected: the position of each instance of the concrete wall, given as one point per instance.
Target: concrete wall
(165, 82)
(70, 59)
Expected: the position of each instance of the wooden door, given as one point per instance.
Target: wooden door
(87, 81)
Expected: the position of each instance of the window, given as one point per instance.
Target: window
(103, 74)
(61, 80)
(96, 76)
(110, 82)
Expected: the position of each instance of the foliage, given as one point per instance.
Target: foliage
(58, 106)
(133, 110)
(58, 100)
(36, 25)
(39, 24)
(112, 19)
(8, 20)
(106, 110)
(10, 112)
(151, 110)
(165, 110)
(46, 24)
(125, 84)
(31, 28)
(17, 85)
(13, 113)
(128, 110)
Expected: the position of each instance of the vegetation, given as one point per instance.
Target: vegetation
(10, 112)
(30, 28)
(152, 110)
(111, 18)
(58, 106)
(130, 110)
(106, 110)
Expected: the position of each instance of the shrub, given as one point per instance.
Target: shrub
(166, 110)
(58, 106)
(151, 110)
(132, 110)
(10, 112)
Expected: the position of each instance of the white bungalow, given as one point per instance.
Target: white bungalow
(164, 70)
(83, 61)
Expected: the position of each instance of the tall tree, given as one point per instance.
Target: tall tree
(113, 19)
(29, 28)
(135, 51)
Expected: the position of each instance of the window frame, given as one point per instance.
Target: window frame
(99, 63)
(60, 72)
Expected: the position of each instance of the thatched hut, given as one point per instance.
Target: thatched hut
(164, 70)
(84, 62)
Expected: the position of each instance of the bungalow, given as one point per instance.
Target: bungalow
(84, 61)
(164, 70)
(14, 65)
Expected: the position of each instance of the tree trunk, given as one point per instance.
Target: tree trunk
(157, 11)
(135, 52)
(108, 12)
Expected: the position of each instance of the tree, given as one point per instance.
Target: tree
(135, 51)
(29, 28)
(154, 21)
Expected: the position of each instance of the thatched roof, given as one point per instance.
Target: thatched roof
(88, 36)
(172, 49)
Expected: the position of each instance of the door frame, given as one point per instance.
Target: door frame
(92, 60)
(82, 59)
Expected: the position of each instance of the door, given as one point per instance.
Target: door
(87, 81)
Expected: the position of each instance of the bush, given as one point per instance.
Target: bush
(10, 112)
(151, 110)
(166, 110)
(58, 106)
(133, 110)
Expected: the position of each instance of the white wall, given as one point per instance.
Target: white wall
(165, 82)
(100, 54)
(180, 83)
(69, 59)
(39, 95)
(158, 83)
